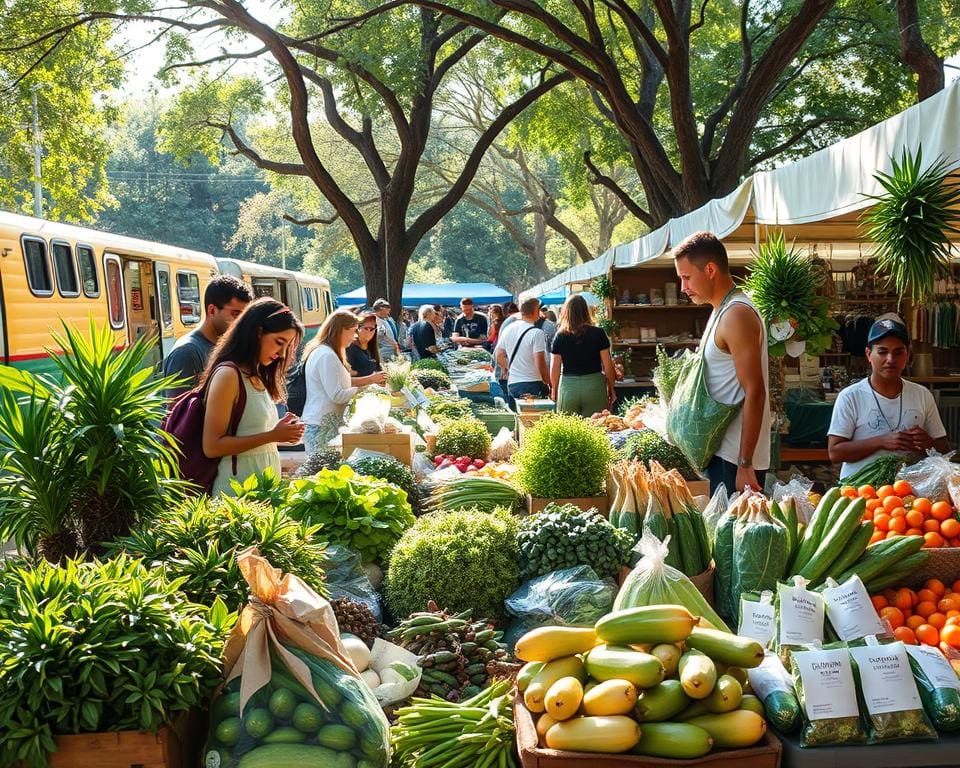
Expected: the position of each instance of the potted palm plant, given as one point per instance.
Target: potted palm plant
(81, 452)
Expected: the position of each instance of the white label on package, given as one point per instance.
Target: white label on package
(801, 616)
(887, 681)
(850, 611)
(934, 666)
(769, 677)
(758, 621)
(828, 689)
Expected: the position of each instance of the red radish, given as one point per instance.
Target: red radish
(479, 463)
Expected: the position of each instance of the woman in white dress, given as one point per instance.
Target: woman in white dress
(254, 354)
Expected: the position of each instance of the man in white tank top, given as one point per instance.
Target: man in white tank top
(735, 359)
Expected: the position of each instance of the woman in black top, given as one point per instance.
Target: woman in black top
(581, 369)
(363, 355)
(424, 333)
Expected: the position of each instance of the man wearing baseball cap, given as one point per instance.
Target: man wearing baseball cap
(884, 414)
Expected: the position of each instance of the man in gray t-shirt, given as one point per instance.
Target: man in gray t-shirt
(225, 299)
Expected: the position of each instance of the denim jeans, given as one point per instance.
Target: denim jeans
(722, 472)
(521, 388)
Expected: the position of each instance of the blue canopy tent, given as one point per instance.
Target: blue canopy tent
(560, 295)
(447, 294)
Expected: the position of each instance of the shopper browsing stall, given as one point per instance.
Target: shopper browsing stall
(470, 329)
(884, 414)
(522, 354)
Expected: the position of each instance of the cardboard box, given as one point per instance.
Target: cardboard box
(599, 503)
(766, 754)
(400, 445)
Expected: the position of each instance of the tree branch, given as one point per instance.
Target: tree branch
(310, 222)
(746, 62)
(702, 20)
(794, 139)
(605, 181)
(275, 166)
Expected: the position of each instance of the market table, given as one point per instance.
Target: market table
(913, 754)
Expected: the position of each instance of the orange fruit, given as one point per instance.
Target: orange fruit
(931, 526)
(877, 536)
(907, 598)
(955, 542)
(891, 594)
(915, 519)
(881, 521)
(927, 634)
(956, 586)
(935, 585)
(868, 515)
(947, 604)
(895, 616)
(951, 635)
(893, 534)
(849, 491)
(884, 490)
(867, 492)
(913, 532)
(950, 528)
(925, 608)
(898, 512)
(872, 504)
(899, 525)
(902, 488)
(927, 595)
(932, 540)
(941, 510)
(879, 602)
(915, 621)
(923, 504)
(891, 503)
(905, 635)
(937, 620)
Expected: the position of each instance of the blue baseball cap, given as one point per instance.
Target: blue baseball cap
(887, 327)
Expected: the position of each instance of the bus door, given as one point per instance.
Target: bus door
(265, 286)
(140, 299)
(291, 297)
(164, 293)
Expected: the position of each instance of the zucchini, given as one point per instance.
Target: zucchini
(725, 696)
(679, 741)
(896, 574)
(698, 674)
(738, 729)
(815, 528)
(661, 702)
(730, 649)
(854, 549)
(647, 624)
(563, 698)
(752, 703)
(835, 539)
(549, 643)
(881, 557)
(616, 733)
(614, 662)
(611, 697)
(285, 755)
(527, 673)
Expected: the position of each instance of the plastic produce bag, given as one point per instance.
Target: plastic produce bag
(799, 488)
(370, 414)
(823, 679)
(400, 686)
(569, 596)
(653, 582)
(935, 477)
(422, 466)
(715, 508)
(292, 695)
(346, 577)
(939, 686)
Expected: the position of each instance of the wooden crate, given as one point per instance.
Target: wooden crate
(400, 445)
(173, 746)
(766, 754)
(599, 503)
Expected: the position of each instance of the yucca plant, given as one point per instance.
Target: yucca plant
(197, 542)
(910, 224)
(115, 466)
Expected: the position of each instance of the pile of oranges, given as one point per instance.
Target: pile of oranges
(895, 511)
(929, 616)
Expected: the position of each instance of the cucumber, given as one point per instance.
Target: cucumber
(835, 539)
(854, 550)
(614, 662)
(680, 741)
(814, 530)
(286, 755)
(899, 571)
(782, 710)
(723, 647)
(339, 738)
(661, 702)
(285, 735)
(881, 557)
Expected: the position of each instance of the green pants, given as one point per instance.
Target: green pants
(584, 395)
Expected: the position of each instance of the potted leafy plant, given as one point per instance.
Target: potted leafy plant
(100, 646)
(81, 456)
(398, 377)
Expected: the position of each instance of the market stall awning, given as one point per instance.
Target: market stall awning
(447, 294)
(816, 200)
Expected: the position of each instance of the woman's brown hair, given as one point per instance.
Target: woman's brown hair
(373, 348)
(574, 315)
(330, 331)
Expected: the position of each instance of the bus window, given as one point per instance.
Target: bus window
(307, 300)
(88, 271)
(166, 300)
(327, 302)
(188, 296)
(38, 267)
(66, 269)
(114, 280)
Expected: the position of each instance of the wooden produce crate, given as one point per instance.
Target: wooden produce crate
(400, 445)
(173, 746)
(766, 754)
(599, 503)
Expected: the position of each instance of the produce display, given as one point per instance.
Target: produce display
(895, 510)
(356, 618)
(325, 458)
(431, 378)
(563, 535)
(610, 421)
(390, 469)
(464, 437)
(473, 492)
(502, 470)
(879, 472)
(592, 689)
(462, 560)
(462, 463)
(443, 409)
(429, 364)
(928, 616)
(563, 457)
(648, 445)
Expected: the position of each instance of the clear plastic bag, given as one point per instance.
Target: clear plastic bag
(292, 694)
(370, 414)
(346, 577)
(935, 477)
(715, 508)
(799, 487)
(574, 595)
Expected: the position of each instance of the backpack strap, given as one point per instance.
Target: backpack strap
(519, 342)
(238, 408)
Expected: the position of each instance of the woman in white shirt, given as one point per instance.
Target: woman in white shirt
(327, 376)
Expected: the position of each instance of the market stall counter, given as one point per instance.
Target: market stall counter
(916, 754)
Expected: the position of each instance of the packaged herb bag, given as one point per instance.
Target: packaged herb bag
(292, 695)
(799, 617)
(823, 679)
(938, 685)
(774, 687)
(760, 549)
(758, 617)
(849, 609)
(891, 701)
(723, 556)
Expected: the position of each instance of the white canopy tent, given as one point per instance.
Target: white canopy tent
(816, 200)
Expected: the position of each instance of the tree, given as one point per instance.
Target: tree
(72, 76)
(703, 94)
(916, 52)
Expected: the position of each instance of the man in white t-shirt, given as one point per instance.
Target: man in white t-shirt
(521, 352)
(883, 414)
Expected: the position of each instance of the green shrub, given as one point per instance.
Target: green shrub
(647, 445)
(465, 437)
(325, 458)
(465, 559)
(449, 409)
(266, 486)
(432, 379)
(198, 540)
(99, 646)
(429, 364)
(563, 457)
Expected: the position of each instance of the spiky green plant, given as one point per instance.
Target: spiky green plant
(910, 223)
(398, 374)
(116, 468)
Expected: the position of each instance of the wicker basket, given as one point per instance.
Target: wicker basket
(943, 564)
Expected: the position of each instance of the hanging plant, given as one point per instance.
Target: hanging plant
(910, 224)
(602, 287)
(783, 285)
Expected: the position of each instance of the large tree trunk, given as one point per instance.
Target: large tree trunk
(916, 53)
